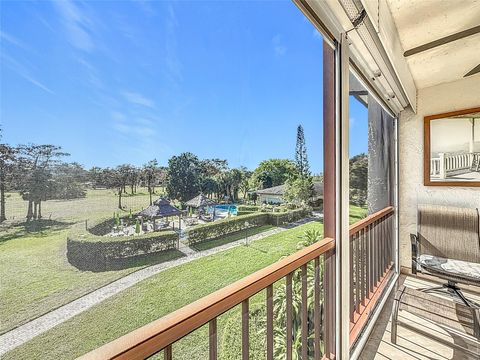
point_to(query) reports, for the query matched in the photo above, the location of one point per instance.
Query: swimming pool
(231, 208)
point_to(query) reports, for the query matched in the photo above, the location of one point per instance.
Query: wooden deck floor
(412, 345)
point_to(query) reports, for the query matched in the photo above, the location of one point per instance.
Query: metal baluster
(375, 253)
(304, 314)
(270, 322)
(362, 265)
(357, 273)
(385, 244)
(167, 353)
(316, 311)
(392, 238)
(245, 331)
(380, 239)
(387, 229)
(352, 304)
(212, 332)
(289, 316)
(368, 266)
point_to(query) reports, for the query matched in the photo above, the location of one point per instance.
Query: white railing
(435, 166)
(446, 164)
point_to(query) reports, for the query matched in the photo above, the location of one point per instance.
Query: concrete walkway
(28, 331)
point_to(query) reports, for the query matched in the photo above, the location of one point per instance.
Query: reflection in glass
(455, 148)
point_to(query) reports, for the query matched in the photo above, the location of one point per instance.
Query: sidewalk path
(28, 331)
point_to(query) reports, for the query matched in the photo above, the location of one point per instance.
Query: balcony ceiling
(421, 22)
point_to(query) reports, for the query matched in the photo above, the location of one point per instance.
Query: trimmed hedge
(244, 212)
(87, 251)
(252, 208)
(227, 226)
(223, 227)
(278, 219)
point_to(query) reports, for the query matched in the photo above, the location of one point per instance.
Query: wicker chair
(447, 245)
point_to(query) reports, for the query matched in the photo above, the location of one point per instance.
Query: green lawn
(97, 203)
(205, 245)
(160, 295)
(357, 213)
(35, 274)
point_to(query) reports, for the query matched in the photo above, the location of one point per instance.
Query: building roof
(280, 189)
(200, 201)
(160, 208)
(275, 190)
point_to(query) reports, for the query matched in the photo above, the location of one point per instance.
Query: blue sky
(125, 82)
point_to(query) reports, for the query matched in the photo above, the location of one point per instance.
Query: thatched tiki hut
(200, 202)
(161, 208)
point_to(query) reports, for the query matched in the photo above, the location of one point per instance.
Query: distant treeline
(40, 173)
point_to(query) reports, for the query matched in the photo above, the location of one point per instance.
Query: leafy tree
(184, 176)
(35, 178)
(245, 183)
(122, 178)
(96, 177)
(299, 191)
(116, 179)
(150, 172)
(222, 180)
(161, 177)
(133, 178)
(359, 179)
(212, 167)
(234, 179)
(274, 172)
(68, 181)
(212, 177)
(301, 159)
(209, 186)
(7, 163)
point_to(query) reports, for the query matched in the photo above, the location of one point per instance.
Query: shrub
(88, 251)
(223, 227)
(278, 219)
(244, 212)
(251, 208)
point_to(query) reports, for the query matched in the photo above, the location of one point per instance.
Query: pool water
(231, 208)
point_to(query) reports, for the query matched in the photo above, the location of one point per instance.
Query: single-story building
(274, 195)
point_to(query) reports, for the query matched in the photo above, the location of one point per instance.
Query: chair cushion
(457, 270)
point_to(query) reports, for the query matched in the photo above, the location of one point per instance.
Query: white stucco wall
(274, 199)
(458, 95)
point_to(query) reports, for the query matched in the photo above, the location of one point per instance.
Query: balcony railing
(371, 264)
(454, 164)
(161, 334)
(371, 249)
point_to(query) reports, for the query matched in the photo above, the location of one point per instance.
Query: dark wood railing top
(362, 224)
(151, 338)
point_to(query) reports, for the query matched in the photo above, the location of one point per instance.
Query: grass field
(230, 238)
(35, 274)
(97, 203)
(158, 296)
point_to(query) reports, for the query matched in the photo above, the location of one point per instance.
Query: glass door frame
(345, 350)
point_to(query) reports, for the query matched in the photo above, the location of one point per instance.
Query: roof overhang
(441, 39)
(376, 51)
(399, 46)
